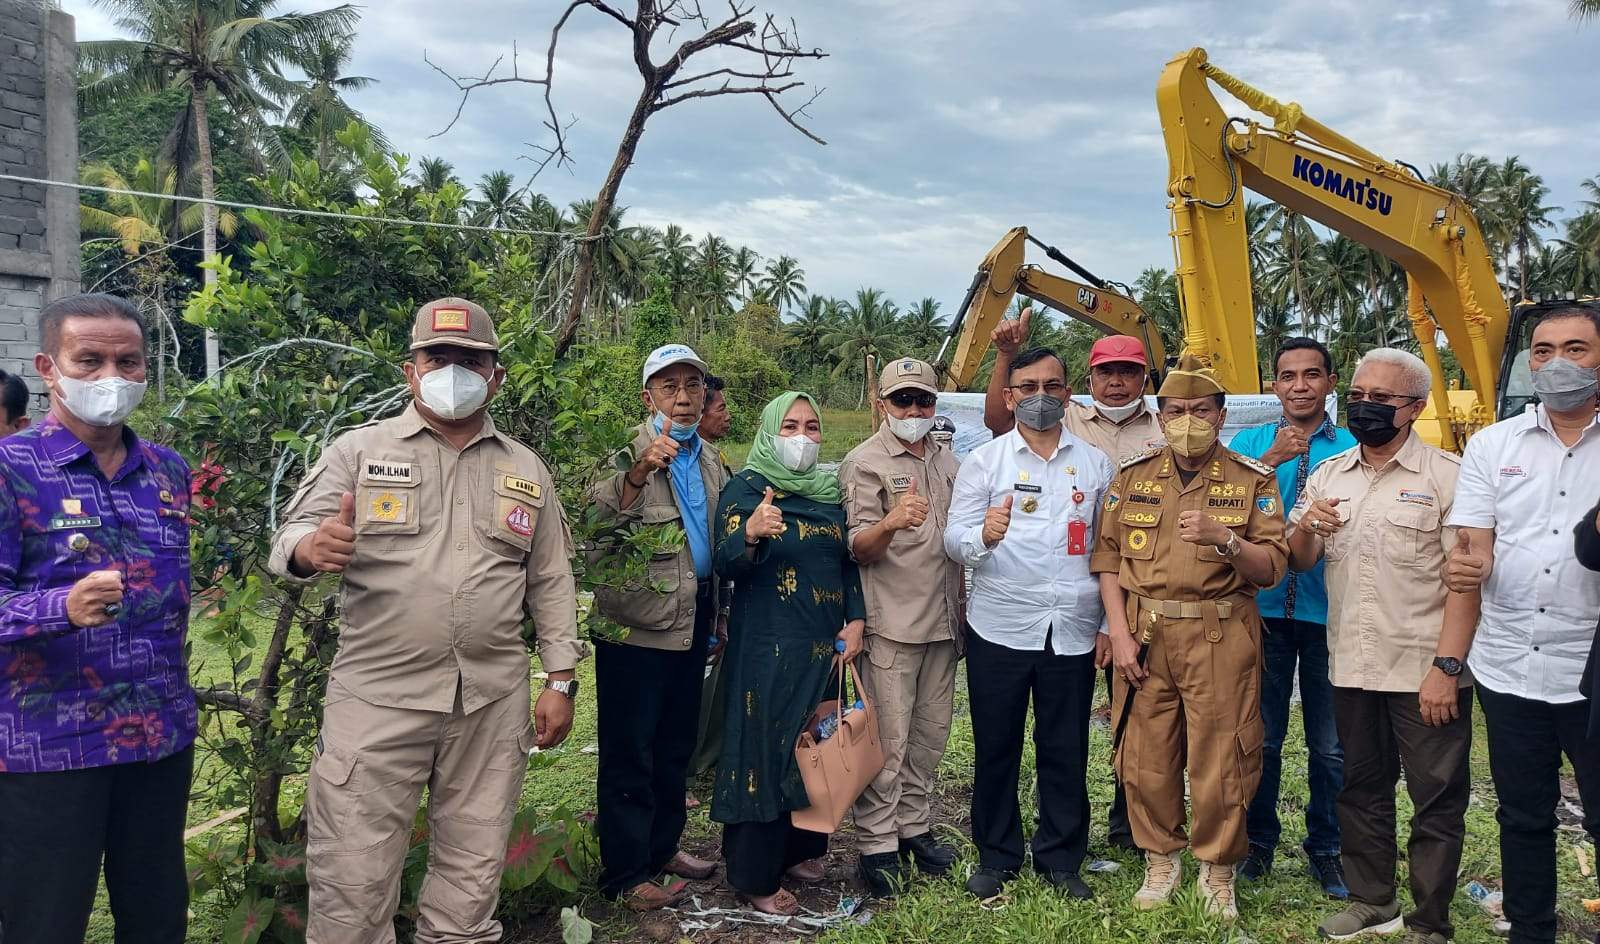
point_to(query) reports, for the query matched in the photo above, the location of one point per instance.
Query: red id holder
(1077, 537)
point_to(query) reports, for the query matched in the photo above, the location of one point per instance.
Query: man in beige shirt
(447, 535)
(1397, 641)
(897, 488)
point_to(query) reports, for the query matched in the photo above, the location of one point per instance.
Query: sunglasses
(907, 398)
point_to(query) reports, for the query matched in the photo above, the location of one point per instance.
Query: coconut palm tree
(923, 326)
(619, 273)
(220, 50)
(1520, 212)
(811, 327)
(1156, 291)
(433, 173)
(499, 204)
(742, 271)
(1584, 9)
(784, 282)
(316, 104)
(867, 325)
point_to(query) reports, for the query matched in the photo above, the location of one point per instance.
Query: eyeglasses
(1054, 388)
(909, 398)
(1382, 399)
(671, 389)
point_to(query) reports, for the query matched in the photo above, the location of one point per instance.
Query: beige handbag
(837, 770)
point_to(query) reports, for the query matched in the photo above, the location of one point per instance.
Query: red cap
(1117, 349)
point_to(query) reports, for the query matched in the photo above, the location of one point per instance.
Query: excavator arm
(1004, 274)
(1312, 170)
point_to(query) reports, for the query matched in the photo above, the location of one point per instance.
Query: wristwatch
(1231, 549)
(568, 688)
(1449, 665)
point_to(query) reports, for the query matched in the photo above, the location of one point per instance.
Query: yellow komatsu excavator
(1005, 273)
(1385, 205)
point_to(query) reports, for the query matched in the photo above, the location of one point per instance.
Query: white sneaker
(1162, 872)
(1216, 889)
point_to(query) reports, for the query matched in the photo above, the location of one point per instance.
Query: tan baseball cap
(908, 372)
(453, 321)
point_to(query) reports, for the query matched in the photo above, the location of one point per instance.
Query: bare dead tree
(764, 50)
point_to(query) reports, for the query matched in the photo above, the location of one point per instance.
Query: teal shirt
(1310, 594)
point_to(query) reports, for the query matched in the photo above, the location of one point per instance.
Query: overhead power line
(292, 211)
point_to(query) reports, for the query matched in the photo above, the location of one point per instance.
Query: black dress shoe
(987, 883)
(932, 857)
(1257, 863)
(881, 871)
(1069, 882)
(1122, 841)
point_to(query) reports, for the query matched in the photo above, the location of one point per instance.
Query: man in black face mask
(1396, 641)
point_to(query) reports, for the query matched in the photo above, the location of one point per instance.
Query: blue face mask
(679, 433)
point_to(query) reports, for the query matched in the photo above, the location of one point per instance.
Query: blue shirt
(689, 490)
(1310, 595)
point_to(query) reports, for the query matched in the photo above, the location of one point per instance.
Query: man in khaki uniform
(1397, 643)
(447, 535)
(897, 488)
(650, 681)
(1189, 533)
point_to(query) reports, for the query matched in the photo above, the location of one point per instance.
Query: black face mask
(1372, 424)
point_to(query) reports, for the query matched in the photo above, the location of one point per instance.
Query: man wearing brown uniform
(1189, 533)
(897, 495)
(447, 534)
(1397, 644)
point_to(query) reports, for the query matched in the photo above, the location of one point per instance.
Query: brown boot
(648, 896)
(689, 866)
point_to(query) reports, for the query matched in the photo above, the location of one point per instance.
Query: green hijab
(815, 484)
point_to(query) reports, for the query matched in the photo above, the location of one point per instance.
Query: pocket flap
(1140, 516)
(508, 484)
(659, 513)
(1420, 519)
(379, 472)
(1250, 739)
(335, 766)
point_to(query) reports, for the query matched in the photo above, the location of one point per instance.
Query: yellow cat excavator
(1005, 273)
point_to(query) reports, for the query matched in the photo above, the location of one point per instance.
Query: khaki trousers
(1200, 708)
(361, 799)
(912, 685)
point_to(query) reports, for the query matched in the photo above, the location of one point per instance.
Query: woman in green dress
(782, 540)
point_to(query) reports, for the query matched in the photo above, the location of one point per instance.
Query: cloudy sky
(948, 121)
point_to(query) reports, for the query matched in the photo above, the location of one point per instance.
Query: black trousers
(1526, 741)
(1383, 733)
(999, 682)
(757, 854)
(1117, 816)
(55, 828)
(648, 713)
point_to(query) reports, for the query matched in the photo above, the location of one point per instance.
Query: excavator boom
(1314, 171)
(1005, 274)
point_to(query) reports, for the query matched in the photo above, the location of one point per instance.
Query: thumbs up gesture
(765, 522)
(334, 541)
(910, 512)
(996, 522)
(1465, 571)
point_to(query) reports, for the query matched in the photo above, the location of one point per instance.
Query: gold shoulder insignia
(1137, 458)
(1255, 464)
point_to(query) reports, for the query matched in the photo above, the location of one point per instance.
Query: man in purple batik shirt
(97, 719)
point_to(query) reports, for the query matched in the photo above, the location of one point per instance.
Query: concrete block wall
(38, 139)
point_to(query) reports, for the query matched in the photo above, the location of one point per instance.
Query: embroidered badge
(1147, 487)
(1143, 499)
(71, 506)
(1139, 517)
(899, 483)
(1228, 519)
(1112, 500)
(74, 522)
(1138, 539)
(377, 470)
(1413, 497)
(1512, 470)
(1267, 504)
(519, 521)
(1022, 476)
(449, 319)
(387, 506)
(527, 487)
(907, 368)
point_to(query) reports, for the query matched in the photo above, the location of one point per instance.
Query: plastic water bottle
(825, 728)
(838, 645)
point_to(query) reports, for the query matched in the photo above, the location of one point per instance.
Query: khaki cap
(907, 372)
(453, 321)
(1190, 380)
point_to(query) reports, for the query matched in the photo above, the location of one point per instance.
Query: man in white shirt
(1522, 482)
(1023, 517)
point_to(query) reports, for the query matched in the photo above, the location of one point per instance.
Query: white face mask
(797, 453)
(454, 392)
(1117, 414)
(911, 429)
(104, 402)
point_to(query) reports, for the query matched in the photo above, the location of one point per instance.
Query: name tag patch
(1143, 499)
(74, 522)
(1413, 497)
(527, 487)
(1512, 470)
(380, 471)
(1025, 487)
(1216, 502)
(899, 483)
